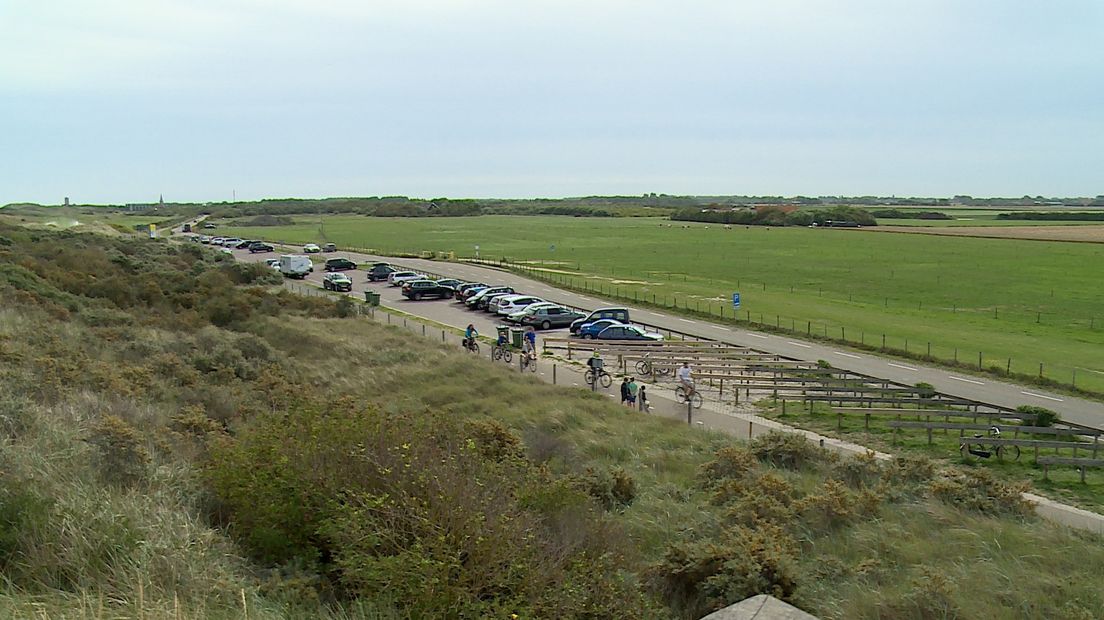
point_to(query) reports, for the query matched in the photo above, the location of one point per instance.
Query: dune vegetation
(181, 437)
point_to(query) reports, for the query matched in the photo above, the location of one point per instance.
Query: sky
(116, 101)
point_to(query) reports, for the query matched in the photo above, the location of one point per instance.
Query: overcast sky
(123, 100)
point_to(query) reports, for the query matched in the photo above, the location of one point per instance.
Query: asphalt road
(954, 383)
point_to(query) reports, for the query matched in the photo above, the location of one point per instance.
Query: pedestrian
(632, 391)
(624, 390)
(643, 399)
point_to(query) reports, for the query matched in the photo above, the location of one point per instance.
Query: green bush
(787, 450)
(925, 390)
(979, 490)
(1043, 416)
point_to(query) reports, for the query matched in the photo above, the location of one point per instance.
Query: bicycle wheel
(532, 363)
(507, 356)
(1011, 452)
(605, 379)
(643, 368)
(696, 400)
(680, 395)
(496, 353)
(588, 376)
(474, 348)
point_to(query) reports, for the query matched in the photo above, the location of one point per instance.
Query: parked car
(621, 314)
(479, 300)
(329, 247)
(380, 271)
(548, 317)
(244, 245)
(514, 304)
(450, 283)
(204, 239)
(217, 240)
(592, 329)
(340, 264)
(337, 282)
(627, 332)
(260, 247)
(464, 290)
(398, 277)
(274, 263)
(209, 226)
(311, 248)
(231, 242)
(420, 289)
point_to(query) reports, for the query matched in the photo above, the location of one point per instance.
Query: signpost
(735, 301)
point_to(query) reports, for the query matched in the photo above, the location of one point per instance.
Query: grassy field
(1017, 303)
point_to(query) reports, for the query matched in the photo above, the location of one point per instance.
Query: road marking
(798, 344)
(757, 335)
(724, 328)
(686, 320)
(846, 354)
(584, 297)
(965, 380)
(654, 313)
(901, 366)
(1041, 396)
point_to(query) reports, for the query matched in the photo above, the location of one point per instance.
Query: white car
(311, 248)
(218, 240)
(231, 242)
(398, 277)
(274, 263)
(515, 303)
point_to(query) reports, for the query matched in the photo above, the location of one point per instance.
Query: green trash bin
(372, 297)
(503, 333)
(516, 335)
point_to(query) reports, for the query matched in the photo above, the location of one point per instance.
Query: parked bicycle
(694, 396)
(648, 367)
(976, 447)
(602, 377)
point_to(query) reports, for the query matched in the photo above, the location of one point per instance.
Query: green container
(372, 297)
(516, 335)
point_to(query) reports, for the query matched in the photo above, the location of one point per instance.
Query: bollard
(553, 374)
(423, 329)
(749, 429)
(689, 412)
(442, 335)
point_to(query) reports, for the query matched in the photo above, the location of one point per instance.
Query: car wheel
(587, 336)
(546, 325)
(416, 296)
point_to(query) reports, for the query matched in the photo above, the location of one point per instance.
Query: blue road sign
(735, 300)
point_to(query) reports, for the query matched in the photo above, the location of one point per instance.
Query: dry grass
(1081, 234)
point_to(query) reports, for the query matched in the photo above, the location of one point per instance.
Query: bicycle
(694, 396)
(647, 367)
(471, 345)
(501, 352)
(977, 447)
(529, 362)
(602, 377)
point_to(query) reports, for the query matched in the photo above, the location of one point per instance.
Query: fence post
(689, 410)
(979, 360)
(553, 374)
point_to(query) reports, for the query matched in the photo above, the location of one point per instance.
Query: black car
(380, 271)
(244, 244)
(337, 282)
(420, 289)
(260, 247)
(340, 264)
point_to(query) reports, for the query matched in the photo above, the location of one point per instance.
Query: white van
(295, 266)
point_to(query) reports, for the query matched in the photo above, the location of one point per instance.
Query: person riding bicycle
(470, 335)
(595, 362)
(686, 378)
(531, 343)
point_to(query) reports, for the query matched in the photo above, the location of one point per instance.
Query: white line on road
(965, 380)
(654, 313)
(846, 354)
(799, 344)
(757, 335)
(724, 328)
(584, 297)
(686, 320)
(902, 366)
(1041, 396)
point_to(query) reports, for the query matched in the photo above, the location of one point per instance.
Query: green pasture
(1017, 303)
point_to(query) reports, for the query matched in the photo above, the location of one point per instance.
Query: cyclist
(595, 362)
(686, 378)
(470, 335)
(531, 343)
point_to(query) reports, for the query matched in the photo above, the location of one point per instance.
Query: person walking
(632, 391)
(643, 399)
(624, 390)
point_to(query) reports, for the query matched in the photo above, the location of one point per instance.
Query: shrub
(706, 575)
(980, 491)
(730, 462)
(788, 450)
(861, 470)
(925, 390)
(123, 457)
(613, 488)
(345, 307)
(1043, 416)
